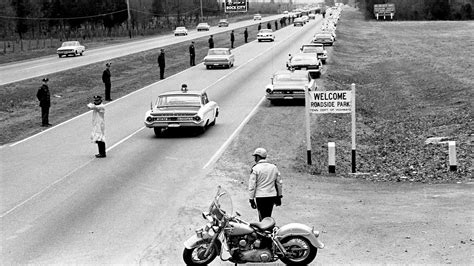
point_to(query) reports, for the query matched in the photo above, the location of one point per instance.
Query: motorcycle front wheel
(299, 251)
(195, 255)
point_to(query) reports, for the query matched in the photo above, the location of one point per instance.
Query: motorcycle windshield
(221, 204)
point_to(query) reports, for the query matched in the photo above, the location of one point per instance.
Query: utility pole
(129, 20)
(201, 11)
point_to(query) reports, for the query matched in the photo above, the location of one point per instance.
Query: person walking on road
(106, 80)
(246, 35)
(265, 185)
(98, 125)
(232, 39)
(161, 63)
(44, 98)
(192, 54)
(211, 42)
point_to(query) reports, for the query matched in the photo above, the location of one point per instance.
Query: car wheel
(81, 53)
(60, 55)
(158, 131)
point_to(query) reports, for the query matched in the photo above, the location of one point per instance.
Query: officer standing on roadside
(161, 63)
(265, 185)
(44, 98)
(211, 42)
(232, 39)
(246, 35)
(192, 54)
(106, 80)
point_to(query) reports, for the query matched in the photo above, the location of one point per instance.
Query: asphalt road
(13, 72)
(61, 205)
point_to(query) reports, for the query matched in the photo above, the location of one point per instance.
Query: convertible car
(182, 109)
(305, 61)
(70, 48)
(219, 57)
(289, 85)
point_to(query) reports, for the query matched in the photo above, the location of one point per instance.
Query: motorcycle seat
(266, 223)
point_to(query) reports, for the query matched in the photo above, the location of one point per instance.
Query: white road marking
(227, 142)
(44, 189)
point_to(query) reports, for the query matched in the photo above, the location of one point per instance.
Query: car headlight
(149, 119)
(197, 118)
(269, 90)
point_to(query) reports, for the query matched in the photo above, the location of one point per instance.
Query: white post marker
(453, 166)
(377, 16)
(332, 157)
(308, 129)
(353, 131)
(391, 16)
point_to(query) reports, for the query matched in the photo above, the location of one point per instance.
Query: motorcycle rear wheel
(194, 256)
(299, 251)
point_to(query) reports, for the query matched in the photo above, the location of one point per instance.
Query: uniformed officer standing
(161, 63)
(44, 98)
(232, 39)
(265, 185)
(246, 35)
(211, 42)
(106, 80)
(192, 54)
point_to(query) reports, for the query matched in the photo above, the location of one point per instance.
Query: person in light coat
(265, 185)
(98, 125)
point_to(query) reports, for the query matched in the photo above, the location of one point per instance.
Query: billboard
(384, 9)
(235, 6)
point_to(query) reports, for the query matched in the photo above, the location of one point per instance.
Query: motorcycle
(238, 241)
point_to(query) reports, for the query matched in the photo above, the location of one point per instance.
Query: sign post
(308, 128)
(353, 119)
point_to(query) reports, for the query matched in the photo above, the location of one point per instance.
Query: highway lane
(139, 204)
(13, 72)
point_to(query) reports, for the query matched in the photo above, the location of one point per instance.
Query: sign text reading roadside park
(323, 102)
(235, 6)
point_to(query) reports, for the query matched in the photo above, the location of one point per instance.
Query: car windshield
(179, 100)
(222, 20)
(313, 49)
(218, 52)
(202, 24)
(323, 36)
(68, 44)
(291, 77)
(180, 28)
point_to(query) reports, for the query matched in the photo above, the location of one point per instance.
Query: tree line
(423, 9)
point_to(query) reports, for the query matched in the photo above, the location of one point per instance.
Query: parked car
(204, 26)
(73, 48)
(219, 57)
(257, 17)
(324, 38)
(305, 19)
(266, 34)
(223, 23)
(180, 31)
(182, 109)
(289, 85)
(312, 16)
(298, 22)
(304, 61)
(316, 49)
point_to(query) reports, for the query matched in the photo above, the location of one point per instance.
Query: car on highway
(305, 61)
(324, 38)
(182, 109)
(180, 31)
(316, 49)
(219, 57)
(289, 85)
(223, 23)
(305, 19)
(266, 35)
(312, 16)
(298, 22)
(257, 17)
(73, 48)
(203, 26)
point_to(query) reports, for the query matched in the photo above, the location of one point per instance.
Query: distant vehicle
(298, 22)
(305, 19)
(257, 17)
(73, 48)
(182, 109)
(304, 61)
(203, 26)
(332, 32)
(317, 49)
(312, 16)
(266, 34)
(180, 31)
(219, 57)
(223, 23)
(289, 85)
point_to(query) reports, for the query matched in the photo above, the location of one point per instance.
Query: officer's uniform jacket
(265, 180)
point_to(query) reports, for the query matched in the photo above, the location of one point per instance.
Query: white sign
(323, 102)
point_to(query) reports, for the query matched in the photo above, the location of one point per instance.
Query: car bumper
(306, 68)
(285, 96)
(219, 63)
(265, 38)
(180, 124)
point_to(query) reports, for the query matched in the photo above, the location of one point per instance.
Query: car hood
(67, 48)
